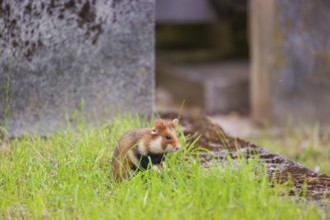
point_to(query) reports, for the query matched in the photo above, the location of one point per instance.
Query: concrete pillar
(290, 61)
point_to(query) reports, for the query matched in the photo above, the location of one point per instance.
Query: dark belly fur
(145, 160)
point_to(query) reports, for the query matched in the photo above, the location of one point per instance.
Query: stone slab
(215, 87)
(59, 59)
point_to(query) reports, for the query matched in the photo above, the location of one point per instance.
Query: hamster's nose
(178, 146)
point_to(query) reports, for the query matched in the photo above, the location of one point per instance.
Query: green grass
(68, 175)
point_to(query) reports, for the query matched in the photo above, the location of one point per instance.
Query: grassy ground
(68, 176)
(307, 146)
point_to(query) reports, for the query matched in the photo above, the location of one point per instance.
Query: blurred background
(258, 68)
(202, 55)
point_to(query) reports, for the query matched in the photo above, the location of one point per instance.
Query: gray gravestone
(58, 57)
(290, 61)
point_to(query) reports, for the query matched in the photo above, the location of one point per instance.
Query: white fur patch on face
(142, 148)
(170, 148)
(156, 146)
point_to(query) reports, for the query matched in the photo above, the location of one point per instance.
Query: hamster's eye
(168, 137)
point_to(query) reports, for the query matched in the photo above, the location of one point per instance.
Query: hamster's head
(164, 137)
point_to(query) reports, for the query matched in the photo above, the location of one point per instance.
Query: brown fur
(121, 161)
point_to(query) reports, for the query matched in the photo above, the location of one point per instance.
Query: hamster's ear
(174, 123)
(159, 126)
